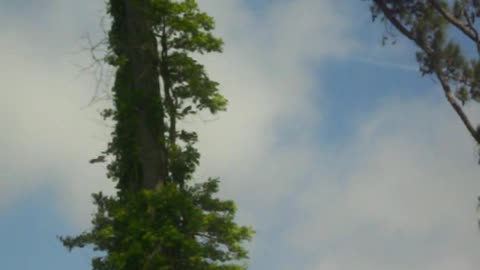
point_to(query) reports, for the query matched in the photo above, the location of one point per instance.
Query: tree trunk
(142, 57)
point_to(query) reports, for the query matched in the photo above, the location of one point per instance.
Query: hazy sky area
(335, 149)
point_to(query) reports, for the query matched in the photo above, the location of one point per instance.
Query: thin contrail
(374, 62)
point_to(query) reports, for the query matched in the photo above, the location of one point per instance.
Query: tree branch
(439, 74)
(391, 17)
(454, 21)
(456, 106)
(472, 27)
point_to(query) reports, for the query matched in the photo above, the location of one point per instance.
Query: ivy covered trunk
(158, 219)
(137, 97)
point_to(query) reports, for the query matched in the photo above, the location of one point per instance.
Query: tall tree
(158, 219)
(446, 34)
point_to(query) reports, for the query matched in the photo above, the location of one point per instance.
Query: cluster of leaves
(166, 228)
(183, 29)
(445, 32)
(176, 225)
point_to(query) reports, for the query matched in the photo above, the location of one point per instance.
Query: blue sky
(335, 149)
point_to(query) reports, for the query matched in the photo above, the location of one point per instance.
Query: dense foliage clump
(168, 228)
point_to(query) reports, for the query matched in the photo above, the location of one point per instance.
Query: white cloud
(406, 198)
(48, 135)
(265, 76)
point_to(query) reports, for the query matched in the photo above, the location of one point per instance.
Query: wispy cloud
(382, 64)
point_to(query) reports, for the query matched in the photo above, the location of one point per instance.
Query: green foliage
(166, 228)
(186, 27)
(176, 225)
